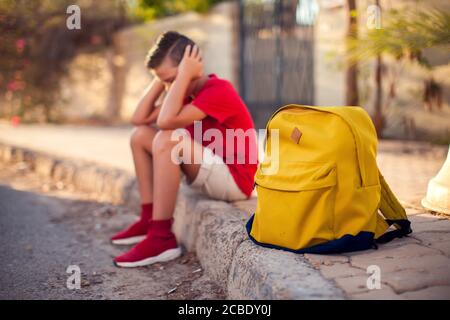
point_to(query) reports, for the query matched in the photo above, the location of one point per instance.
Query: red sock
(138, 230)
(146, 211)
(162, 228)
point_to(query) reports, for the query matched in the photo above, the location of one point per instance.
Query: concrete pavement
(413, 267)
(104, 145)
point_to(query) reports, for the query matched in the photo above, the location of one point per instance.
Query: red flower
(15, 121)
(96, 40)
(20, 45)
(16, 85)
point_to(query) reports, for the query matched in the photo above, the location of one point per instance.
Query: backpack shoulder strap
(393, 212)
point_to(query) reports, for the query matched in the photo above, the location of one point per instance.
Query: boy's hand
(147, 102)
(159, 83)
(191, 65)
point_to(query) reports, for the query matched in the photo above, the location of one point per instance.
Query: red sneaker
(132, 235)
(160, 245)
(137, 231)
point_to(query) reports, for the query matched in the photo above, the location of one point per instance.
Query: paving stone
(353, 285)
(406, 251)
(443, 246)
(436, 225)
(385, 293)
(428, 237)
(328, 260)
(425, 218)
(400, 263)
(340, 270)
(431, 293)
(398, 243)
(412, 280)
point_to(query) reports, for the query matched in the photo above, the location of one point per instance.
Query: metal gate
(276, 54)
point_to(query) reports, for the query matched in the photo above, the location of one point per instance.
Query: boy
(222, 173)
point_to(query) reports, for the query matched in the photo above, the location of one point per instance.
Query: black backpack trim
(347, 243)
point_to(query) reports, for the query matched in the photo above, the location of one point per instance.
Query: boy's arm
(154, 115)
(143, 113)
(172, 115)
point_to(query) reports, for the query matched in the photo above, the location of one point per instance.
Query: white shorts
(215, 180)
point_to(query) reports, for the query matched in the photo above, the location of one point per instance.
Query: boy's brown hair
(171, 44)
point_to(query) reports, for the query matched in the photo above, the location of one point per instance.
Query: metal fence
(276, 54)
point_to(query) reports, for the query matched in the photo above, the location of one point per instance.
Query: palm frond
(404, 33)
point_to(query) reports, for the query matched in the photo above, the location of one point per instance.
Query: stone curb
(107, 183)
(215, 230)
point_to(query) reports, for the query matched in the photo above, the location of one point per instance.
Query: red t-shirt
(227, 113)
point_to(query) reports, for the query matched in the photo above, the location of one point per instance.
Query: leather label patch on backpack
(296, 135)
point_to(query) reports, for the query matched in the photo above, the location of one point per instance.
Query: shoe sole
(128, 241)
(162, 257)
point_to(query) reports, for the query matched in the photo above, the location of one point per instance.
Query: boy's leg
(141, 142)
(160, 243)
(167, 172)
(141, 146)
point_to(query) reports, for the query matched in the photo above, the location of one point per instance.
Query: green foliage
(36, 47)
(404, 34)
(150, 9)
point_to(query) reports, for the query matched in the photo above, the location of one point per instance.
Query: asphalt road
(44, 229)
(35, 252)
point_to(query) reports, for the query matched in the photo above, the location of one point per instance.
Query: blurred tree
(351, 74)
(378, 117)
(404, 36)
(36, 46)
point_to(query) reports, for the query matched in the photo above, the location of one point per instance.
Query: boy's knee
(140, 135)
(163, 141)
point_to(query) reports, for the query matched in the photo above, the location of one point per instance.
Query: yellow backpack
(319, 188)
